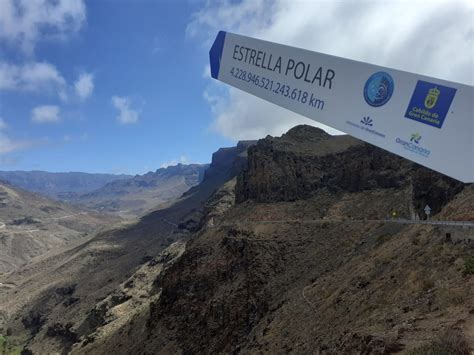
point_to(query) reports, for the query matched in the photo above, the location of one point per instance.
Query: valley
(32, 225)
(288, 244)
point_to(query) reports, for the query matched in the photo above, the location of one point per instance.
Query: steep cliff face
(294, 268)
(306, 160)
(35, 306)
(332, 286)
(228, 162)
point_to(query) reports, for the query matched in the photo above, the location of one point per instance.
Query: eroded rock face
(201, 279)
(229, 161)
(306, 159)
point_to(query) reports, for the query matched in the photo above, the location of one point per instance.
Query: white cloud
(23, 23)
(44, 78)
(84, 85)
(417, 36)
(8, 145)
(33, 76)
(126, 114)
(182, 160)
(45, 114)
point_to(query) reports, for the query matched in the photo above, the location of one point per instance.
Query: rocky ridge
(302, 264)
(306, 160)
(135, 196)
(65, 300)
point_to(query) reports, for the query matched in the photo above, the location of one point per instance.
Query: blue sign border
(215, 54)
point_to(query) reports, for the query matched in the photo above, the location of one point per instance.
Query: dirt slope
(43, 299)
(32, 225)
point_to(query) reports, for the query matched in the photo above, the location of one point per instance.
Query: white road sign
(427, 120)
(427, 210)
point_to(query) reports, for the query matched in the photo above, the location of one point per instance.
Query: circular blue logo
(378, 89)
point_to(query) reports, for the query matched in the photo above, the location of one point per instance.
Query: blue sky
(121, 85)
(136, 51)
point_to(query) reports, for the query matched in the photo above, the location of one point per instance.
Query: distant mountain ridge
(58, 185)
(134, 196)
(124, 195)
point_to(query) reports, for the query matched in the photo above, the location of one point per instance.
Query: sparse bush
(8, 347)
(34, 321)
(66, 291)
(382, 239)
(450, 343)
(448, 296)
(427, 284)
(63, 330)
(469, 267)
(88, 339)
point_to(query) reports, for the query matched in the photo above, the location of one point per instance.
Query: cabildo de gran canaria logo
(378, 89)
(414, 145)
(430, 103)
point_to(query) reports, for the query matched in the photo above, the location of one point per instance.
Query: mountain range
(305, 243)
(133, 196)
(58, 185)
(123, 195)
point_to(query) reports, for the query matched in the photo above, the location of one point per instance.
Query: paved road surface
(398, 221)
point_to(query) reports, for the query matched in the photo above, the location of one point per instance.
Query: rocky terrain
(58, 185)
(32, 225)
(45, 297)
(289, 245)
(134, 196)
(303, 162)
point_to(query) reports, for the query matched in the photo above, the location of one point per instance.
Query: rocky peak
(305, 133)
(229, 161)
(306, 160)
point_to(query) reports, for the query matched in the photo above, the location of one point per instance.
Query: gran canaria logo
(413, 145)
(415, 137)
(430, 103)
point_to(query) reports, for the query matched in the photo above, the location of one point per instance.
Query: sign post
(427, 211)
(427, 120)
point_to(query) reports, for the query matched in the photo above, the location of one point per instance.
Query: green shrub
(3, 341)
(7, 348)
(469, 266)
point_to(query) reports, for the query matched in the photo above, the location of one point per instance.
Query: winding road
(334, 220)
(3, 225)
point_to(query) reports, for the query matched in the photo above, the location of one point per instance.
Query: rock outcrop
(306, 160)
